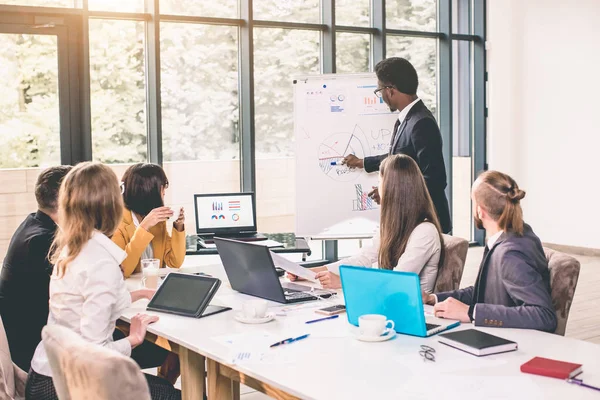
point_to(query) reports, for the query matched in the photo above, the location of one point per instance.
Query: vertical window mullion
(247, 135)
(153, 103)
(328, 37)
(445, 88)
(378, 21)
(479, 96)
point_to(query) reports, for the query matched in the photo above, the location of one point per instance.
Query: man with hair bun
(512, 289)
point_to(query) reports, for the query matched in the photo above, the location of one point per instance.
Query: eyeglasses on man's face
(378, 91)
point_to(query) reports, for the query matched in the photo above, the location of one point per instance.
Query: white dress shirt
(402, 114)
(148, 251)
(89, 298)
(493, 239)
(421, 256)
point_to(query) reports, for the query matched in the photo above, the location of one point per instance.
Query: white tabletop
(332, 364)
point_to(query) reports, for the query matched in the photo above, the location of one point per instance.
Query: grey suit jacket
(419, 138)
(513, 286)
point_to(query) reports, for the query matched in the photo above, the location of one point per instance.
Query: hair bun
(515, 194)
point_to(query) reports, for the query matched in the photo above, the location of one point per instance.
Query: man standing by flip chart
(416, 133)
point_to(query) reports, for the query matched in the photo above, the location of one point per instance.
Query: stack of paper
(293, 268)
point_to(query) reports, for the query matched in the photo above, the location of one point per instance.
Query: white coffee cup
(150, 267)
(374, 325)
(254, 308)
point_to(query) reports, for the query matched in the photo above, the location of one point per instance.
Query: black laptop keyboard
(290, 295)
(431, 326)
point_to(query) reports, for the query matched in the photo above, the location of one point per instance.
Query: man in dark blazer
(415, 134)
(512, 289)
(25, 276)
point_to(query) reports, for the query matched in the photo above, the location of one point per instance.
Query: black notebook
(477, 342)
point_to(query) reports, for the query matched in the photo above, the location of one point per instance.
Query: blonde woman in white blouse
(87, 291)
(409, 238)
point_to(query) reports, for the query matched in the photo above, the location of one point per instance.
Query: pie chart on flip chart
(333, 150)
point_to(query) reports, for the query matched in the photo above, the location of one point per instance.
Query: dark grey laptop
(251, 270)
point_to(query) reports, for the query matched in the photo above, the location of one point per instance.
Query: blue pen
(290, 340)
(335, 163)
(321, 319)
(580, 383)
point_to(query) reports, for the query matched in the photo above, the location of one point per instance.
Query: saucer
(245, 320)
(381, 338)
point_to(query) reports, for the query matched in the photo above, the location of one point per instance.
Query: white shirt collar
(402, 115)
(115, 251)
(136, 222)
(492, 240)
(149, 250)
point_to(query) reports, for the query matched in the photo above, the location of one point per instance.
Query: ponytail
(501, 197)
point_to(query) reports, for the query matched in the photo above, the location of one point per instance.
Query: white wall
(544, 105)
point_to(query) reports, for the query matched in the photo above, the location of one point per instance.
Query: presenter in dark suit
(415, 134)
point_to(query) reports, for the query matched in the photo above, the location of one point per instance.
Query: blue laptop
(397, 295)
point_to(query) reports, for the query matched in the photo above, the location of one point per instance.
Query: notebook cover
(549, 367)
(476, 339)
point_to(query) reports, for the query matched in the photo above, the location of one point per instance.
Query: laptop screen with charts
(251, 270)
(225, 213)
(397, 295)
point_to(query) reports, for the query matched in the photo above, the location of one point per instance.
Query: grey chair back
(451, 270)
(12, 378)
(564, 274)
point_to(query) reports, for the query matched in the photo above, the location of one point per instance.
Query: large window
(132, 6)
(118, 95)
(29, 108)
(290, 11)
(203, 90)
(42, 3)
(352, 12)
(353, 52)
(199, 87)
(203, 8)
(422, 53)
(200, 111)
(279, 55)
(416, 15)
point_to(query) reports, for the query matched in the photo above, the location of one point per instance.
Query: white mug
(374, 325)
(254, 308)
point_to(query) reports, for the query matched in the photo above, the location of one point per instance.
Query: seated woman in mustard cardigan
(143, 231)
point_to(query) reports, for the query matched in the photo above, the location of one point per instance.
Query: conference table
(332, 364)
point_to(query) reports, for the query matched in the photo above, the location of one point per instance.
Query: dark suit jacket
(419, 138)
(24, 286)
(513, 286)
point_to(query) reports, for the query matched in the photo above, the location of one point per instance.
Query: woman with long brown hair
(409, 237)
(87, 290)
